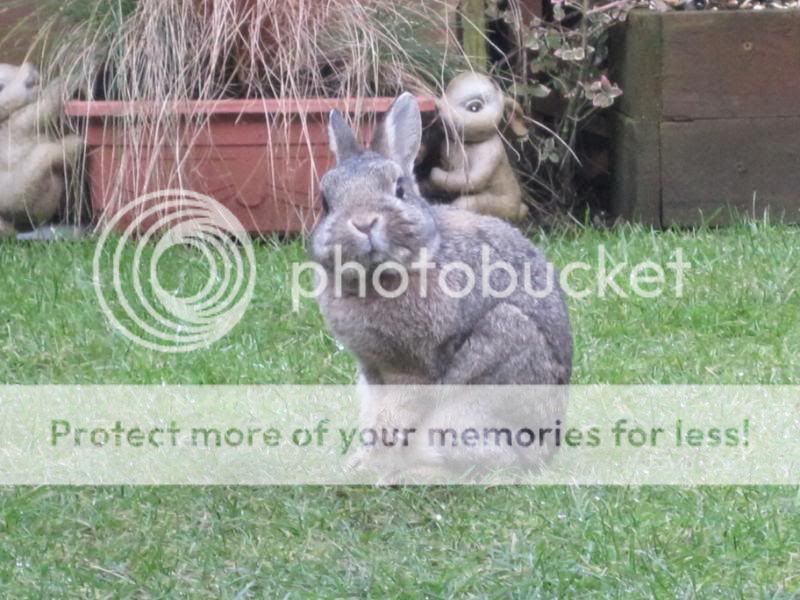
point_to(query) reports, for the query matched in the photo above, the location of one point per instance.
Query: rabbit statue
(31, 164)
(475, 166)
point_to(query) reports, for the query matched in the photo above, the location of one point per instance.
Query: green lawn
(739, 322)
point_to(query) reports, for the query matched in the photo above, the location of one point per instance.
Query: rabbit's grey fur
(375, 214)
(438, 339)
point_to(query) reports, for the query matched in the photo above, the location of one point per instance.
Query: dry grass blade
(165, 52)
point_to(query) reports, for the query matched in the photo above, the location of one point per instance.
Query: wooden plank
(712, 166)
(731, 64)
(635, 170)
(635, 62)
(473, 15)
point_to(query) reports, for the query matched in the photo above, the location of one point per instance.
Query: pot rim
(259, 106)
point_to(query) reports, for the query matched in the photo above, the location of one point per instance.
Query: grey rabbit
(421, 333)
(374, 214)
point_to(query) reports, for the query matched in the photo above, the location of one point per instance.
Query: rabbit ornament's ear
(399, 136)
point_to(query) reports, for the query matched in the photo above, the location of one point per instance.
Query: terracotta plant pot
(261, 159)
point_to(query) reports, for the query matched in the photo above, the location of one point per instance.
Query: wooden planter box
(262, 159)
(710, 116)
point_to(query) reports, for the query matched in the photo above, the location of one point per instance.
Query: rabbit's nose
(364, 224)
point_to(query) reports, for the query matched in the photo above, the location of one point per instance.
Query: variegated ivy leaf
(534, 40)
(571, 54)
(538, 90)
(548, 151)
(493, 10)
(602, 92)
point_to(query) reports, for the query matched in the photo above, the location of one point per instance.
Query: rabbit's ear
(400, 135)
(341, 138)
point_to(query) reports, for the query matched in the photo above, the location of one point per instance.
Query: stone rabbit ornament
(32, 166)
(475, 166)
(432, 325)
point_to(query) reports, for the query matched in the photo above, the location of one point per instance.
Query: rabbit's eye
(475, 106)
(400, 191)
(325, 206)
